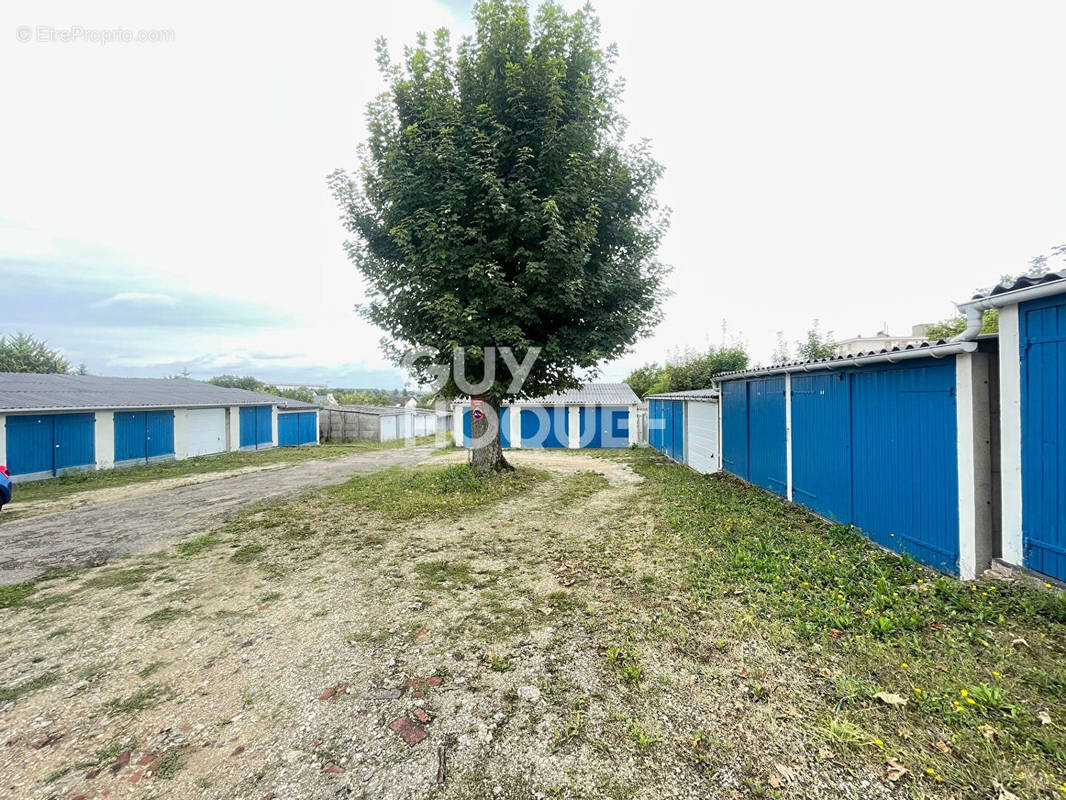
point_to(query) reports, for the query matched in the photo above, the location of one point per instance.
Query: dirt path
(310, 651)
(128, 519)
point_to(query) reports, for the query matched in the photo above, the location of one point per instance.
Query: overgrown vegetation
(687, 369)
(407, 493)
(962, 683)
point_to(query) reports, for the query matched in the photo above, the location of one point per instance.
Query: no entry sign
(477, 408)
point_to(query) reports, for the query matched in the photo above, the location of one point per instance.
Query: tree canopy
(687, 370)
(23, 353)
(498, 203)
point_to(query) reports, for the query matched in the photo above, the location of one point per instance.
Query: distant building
(880, 341)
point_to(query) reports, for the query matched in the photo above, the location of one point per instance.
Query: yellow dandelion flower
(904, 665)
(964, 693)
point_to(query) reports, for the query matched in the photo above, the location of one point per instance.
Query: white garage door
(701, 441)
(206, 431)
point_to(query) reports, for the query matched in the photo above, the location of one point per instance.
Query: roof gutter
(938, 351)
(975, 309)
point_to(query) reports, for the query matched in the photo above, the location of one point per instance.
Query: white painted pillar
(104, 433)
(1010, 434)
(3, 439)
(973, 421)
(181, 433)
(274, 426)
(457, 425)
(316, 429)
(574, 433)
(514, 421)
(234, 442)
(788, 436)
(634, 425)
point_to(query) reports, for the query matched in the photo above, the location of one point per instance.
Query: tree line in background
(23, 353)
(344, 396)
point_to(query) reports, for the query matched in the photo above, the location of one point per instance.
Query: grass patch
(120, 578)
(580, 486)
(976, 665)
(141, 700)
(444, 574)
(163, 616)
(170, 763)
(247, 554)
(402, 494)
(15, 593)
(197, 545)
(9, 693)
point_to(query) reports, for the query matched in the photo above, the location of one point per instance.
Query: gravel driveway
(31, 547)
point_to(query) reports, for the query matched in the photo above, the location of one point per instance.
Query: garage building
(893, 442)
(378, 423)
(600, 415)
(1032, 423)
(685, 426)
(55, 424)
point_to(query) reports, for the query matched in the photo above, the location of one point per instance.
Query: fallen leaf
(987, 731)
(891, 699)
(1004, 794)
(943, 748)
(545, 609)
(1044, 717)
(895, 770)
(786, 773)
(825, 754)
(1019, 643)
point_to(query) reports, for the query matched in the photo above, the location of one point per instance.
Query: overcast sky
(163, 205)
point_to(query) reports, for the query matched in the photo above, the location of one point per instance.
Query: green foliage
(953, 326)
(23, 353)
(642, 379)
(406, 493)
(817, 345)
(366, 397)
(498, 204)
(252, 384)
(689, 370)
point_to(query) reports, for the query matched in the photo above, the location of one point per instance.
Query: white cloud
(139, 298)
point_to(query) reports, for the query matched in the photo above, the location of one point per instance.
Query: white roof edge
(1016, 295)
(174, 407)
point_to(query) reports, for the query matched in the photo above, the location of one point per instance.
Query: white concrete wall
(514, 420)
(1010, 431)
(457, 425)
(634, 425)
(274, 426)
(181, 433)
(788, 436)
(104, 433)
(972, 412)
(234, 442)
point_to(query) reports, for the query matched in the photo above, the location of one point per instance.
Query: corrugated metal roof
(831, 361)
(593, 394)
(692, 394)
(24, 391)
(1021, 282)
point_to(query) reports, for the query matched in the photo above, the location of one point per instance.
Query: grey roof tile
(593, 394)
(1021, 282)
(22, 391)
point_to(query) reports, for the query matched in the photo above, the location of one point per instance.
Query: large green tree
(23, 353)
(498, 205)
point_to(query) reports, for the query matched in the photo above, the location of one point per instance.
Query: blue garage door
(256, 427)
(142, 436)
(288, 430)
(735, 428)
(505, 427)
(767, 456)
(46, 444)
(545, 426)
(655, 424)
(821, 444)
(904, 461)
(674, 429)
(1043, 343)
(308, 427)
(603, 427)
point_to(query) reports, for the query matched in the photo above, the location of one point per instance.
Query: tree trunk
(486, 455)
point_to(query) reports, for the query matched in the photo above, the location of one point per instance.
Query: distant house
(880, 341)
(54, 424)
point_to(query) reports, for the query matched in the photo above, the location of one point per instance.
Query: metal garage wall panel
(735, 428)
(904, 461)
(655, 425)
(821, 443)
(288, 430)
(205, 431)
(677, 431)
(308, 427)
(264, 426)
(767, 456)
(602, 427)
(130, 442)
(30, 444)
(159, 436)
(1043, 390)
